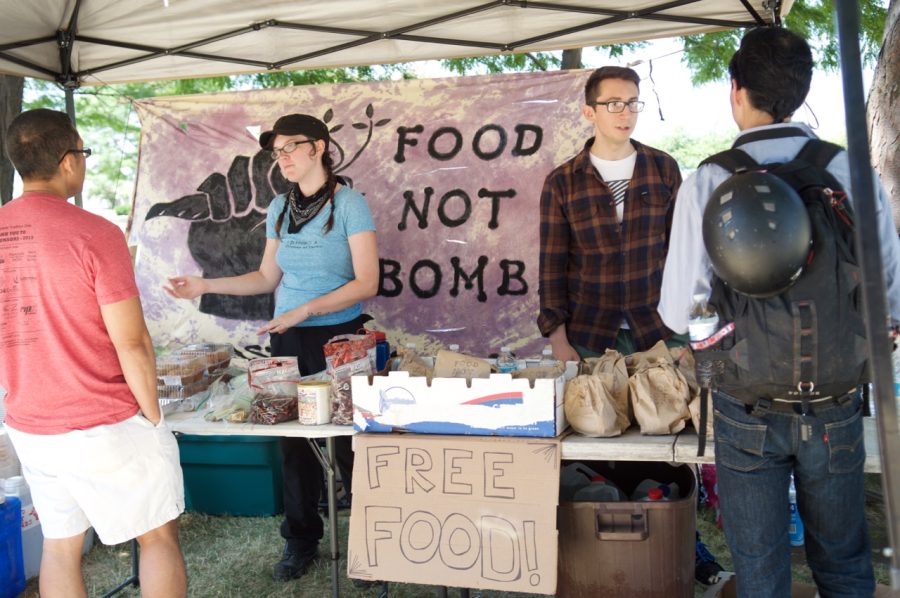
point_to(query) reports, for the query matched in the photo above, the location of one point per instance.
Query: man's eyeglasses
(86, 151)
(616, 106)
(288, 147)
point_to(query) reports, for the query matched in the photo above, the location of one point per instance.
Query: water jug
(599, 490)
(654, 495)
(572, 478)
(12, 569)
(669, 489)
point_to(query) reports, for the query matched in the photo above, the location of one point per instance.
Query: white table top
(630, 446)
(192, 422)
(680, 448)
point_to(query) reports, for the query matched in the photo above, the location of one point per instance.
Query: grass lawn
(233, 556)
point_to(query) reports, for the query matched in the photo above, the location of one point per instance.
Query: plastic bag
(347, 355)
(273, 381)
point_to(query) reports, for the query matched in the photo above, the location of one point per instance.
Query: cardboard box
(231, 475)
(458, 511)
(630, 548)
(494, 406)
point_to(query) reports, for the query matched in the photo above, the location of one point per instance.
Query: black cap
(295, 124)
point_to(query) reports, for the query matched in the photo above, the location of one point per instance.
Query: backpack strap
(733, 160)
(820, 154)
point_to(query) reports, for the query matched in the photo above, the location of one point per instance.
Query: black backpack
(808, 342)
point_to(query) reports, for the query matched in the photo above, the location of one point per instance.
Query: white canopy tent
(95, 42)
(91, 42)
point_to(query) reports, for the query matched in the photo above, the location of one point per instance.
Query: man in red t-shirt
(78, 367)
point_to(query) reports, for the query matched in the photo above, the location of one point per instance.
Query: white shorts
(123, 479)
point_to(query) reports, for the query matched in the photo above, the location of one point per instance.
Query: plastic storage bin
(636, 549)
(232, 475)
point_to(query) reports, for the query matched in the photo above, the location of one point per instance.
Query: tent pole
(874, 295)
(70, 110)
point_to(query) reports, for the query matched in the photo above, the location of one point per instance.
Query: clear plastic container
(216, 357)
(599, 490)
(506, 362)
(180, 370)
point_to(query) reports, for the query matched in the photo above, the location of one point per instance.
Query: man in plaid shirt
(605, 221)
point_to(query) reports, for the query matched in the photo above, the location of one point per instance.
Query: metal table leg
(134, 580)
(327, 459)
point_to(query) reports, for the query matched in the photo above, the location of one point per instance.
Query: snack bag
(273, 381)
(347, 355)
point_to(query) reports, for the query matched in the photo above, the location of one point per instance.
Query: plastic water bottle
(506, 363)
(12, 569)
(382, 349)
(32, 537)
(572, 478)
(599, 490)
(795, 528)
(703, 321)
(547, 357)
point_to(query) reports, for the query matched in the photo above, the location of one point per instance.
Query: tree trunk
(884, 118)
(10, 105)
(571, 59)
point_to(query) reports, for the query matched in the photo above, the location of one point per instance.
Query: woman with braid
(321, 256)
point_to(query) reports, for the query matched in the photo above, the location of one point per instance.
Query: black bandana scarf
(303, 208)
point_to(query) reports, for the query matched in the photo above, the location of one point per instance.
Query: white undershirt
(616, 174)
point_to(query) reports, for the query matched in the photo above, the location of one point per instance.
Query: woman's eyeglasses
(288, 147)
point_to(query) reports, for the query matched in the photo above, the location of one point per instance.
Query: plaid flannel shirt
(595, 272)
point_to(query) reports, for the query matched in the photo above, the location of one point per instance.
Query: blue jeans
(754, 459)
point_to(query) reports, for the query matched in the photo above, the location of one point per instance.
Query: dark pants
(301, 471)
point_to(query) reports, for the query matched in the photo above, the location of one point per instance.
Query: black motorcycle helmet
(757, 233)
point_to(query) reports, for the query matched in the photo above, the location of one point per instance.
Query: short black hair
(592, 87)
(37, 139)
(775, 66)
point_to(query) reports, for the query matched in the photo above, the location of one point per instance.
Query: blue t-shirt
(313, 262)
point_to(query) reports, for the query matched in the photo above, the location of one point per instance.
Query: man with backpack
(781, 407)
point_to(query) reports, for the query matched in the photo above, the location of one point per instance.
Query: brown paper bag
(659, 391)
(596, 404)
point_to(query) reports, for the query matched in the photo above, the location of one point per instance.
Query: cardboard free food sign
(475, 512)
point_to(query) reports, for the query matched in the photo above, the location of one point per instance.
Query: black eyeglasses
(86, 151)
(616, 106)
(288, 147)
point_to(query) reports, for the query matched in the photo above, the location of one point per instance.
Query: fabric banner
(452, 170)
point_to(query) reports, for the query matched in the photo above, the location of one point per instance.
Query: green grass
(233, 557)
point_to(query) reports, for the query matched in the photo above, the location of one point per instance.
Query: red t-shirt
(58, 265)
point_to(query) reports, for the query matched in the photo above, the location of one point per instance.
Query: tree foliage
(707, 54)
